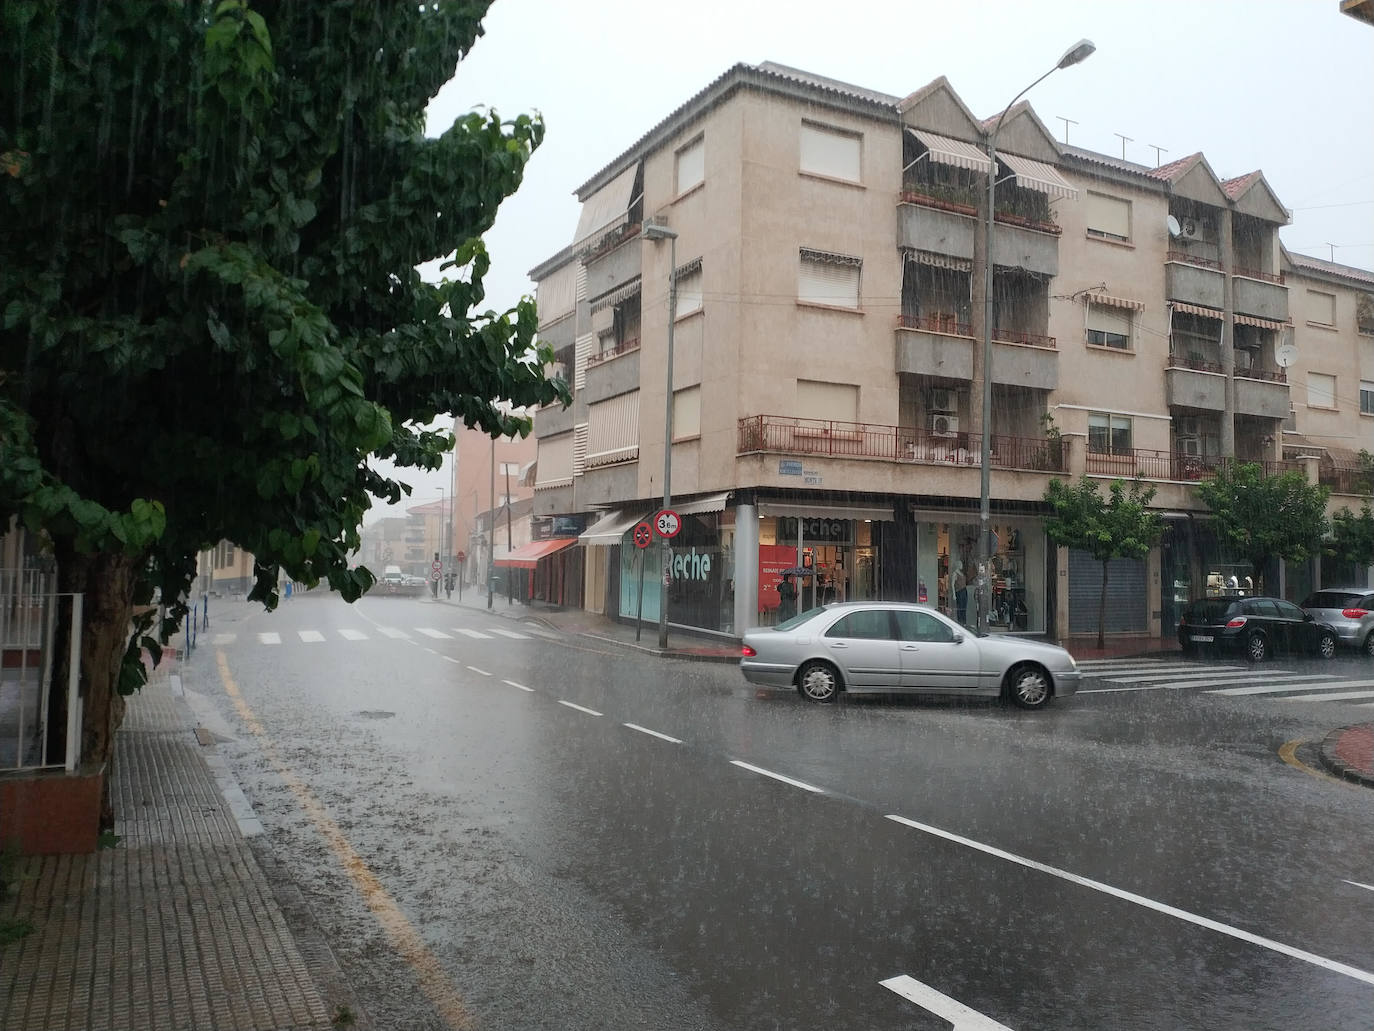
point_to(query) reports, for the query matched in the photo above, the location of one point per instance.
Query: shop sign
(830, 531)
(690, 565)
(788, 467)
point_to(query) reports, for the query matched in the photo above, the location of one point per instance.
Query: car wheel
(1369, 644)
(1029, 687)
(1256, 648)
(818, 682)
(1326, 646)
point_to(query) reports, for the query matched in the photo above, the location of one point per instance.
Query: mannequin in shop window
(959, 584)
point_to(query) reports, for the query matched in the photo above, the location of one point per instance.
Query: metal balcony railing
(1169, 465)
(947, 324)
(1254, 273)
(615, 352)
(1185, 258)
(1015, 336)
(1177, 361)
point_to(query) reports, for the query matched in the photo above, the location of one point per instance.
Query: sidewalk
(176, 927)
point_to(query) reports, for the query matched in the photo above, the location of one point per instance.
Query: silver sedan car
(899, 646)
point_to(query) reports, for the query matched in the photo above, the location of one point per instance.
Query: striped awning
(1195, 309)
(953, 152)
(945, 261)
(613, 297)
(1255, 320)
(1115, 302)
(1038, 176)
(702, 505)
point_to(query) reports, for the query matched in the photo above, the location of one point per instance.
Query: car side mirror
(958, 637)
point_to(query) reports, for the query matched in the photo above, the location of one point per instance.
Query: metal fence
(29, 609)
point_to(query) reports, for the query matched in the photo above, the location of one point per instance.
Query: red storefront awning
(527, 555)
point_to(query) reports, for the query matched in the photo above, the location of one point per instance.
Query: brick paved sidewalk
(1349, 752)
(174, 928)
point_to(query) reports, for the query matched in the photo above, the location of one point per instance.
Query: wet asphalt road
(1133, 859)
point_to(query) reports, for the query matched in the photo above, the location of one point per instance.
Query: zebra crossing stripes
(1163, 674)
(1258, 689)
(511, 634)
(429, 631)
(269, 638)
(353, 635)
(393, 633)
(273, 637)
(473, 633)
(310, 636)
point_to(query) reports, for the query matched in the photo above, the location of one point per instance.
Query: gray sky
(1280, 85)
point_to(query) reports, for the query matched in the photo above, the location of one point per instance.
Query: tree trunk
(106, 583)
(1102, 610)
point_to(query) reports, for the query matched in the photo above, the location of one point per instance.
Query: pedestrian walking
(787, 595)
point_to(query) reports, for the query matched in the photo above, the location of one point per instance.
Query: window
(1366, 397)
(1321, 308)
(689, 289)
(687, 412)
(836, 402)
(613, 429)
(1364, 314)
(691, 165)
(865, 625)
(1321, 390)
(1109, 218)
(1109, 434)
(1109, 327)
(922, 626)
(829, 279)
(830, 153)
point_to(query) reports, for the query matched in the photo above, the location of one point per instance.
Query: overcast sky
(1280, 85)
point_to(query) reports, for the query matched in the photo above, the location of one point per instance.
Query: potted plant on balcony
(1049, 456)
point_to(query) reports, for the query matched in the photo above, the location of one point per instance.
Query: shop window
(1109, 434)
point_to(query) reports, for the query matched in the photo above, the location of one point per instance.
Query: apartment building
(828, 376)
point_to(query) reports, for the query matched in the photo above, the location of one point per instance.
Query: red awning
(527, 555)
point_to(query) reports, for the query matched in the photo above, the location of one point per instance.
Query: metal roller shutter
(1127, 604)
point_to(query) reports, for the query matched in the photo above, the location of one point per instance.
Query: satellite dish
(1174, 228)
(1286, 355)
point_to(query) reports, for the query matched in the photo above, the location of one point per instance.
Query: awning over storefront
(821, 511)
(703, 505)
(1115, 302)
(612, 526)
(527, 555)
(1195, 309)
(1255, 320)
(953, 152)
(1036, 175)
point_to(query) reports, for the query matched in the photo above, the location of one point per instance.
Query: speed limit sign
(667, 523)
(643, 535)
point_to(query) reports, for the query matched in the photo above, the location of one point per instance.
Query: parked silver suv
(1347, 610)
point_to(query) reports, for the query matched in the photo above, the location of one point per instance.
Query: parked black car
(1254, 627)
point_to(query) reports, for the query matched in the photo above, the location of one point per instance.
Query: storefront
(833, 550)
(701, 581)
(947, 570)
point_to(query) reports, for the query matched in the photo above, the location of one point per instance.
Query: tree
(1352, 536)
(1264, 517)
(1117, 526)
(211, 321)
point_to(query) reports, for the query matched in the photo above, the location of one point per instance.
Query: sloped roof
(1309, 263)
(1175, 170)
(1240, 184)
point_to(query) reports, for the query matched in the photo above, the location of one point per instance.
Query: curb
(1338, 742)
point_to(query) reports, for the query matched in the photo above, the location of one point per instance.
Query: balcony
(944, 223)
(615, 352)
(1023, 359)
(1256, 293)
(1263, 393)
(935, 345)
(781, 434)
(1193, 280)
(1168, 465)
(1195, 383)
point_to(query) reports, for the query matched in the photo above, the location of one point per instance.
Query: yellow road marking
(404, 937)
(1288, 752)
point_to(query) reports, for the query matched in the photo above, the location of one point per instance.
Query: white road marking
(1274, 688)
(447, 658)
(511, 634)
(353, 635)
(472, 633)
(393, 633)
(653, 733)
(311, 636)
(1190, 673)
(962, 1017)
(1289, 678)
(1357, 884)
(777, 776)
(1140, 900)
(269, 637)
(225, 638)
(522, 687)
(1339, 696)
(429, 631)
(481, 671)
(579, 708)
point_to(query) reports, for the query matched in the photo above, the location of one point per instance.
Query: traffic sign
(462, 556)
(434, 576)
(644, 535)
(667, 523)
(436, 565)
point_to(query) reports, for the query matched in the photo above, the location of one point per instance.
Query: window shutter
(830, 153)
(1321, 390)
(1109, 215)
(1109, 320)
(834, 402)
(555, 468)
(691, 165)
(824, 282)
(583, 348)
(687, 412)
(579, 449)
(613, 429)
(689, 292)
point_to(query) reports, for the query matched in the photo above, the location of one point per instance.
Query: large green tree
(211, 323)
(1263, 517)
(1352, 536)
(1119, 525)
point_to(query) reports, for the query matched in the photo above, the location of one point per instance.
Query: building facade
(827, 379)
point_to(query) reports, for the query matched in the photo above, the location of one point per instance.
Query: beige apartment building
(828, 376)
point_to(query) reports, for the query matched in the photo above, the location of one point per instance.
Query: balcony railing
(1169, 465)
(946, 324)
(787, 435)
(1254, 273)
(1013, 336)
(1192, 259)
(1346, 481)
(615, 352)
(965, 202)
(1265, 375)
(1177, 361)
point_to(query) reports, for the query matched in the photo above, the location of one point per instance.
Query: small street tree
(211, 323)
(1352, 536)
(1263, 517)
(1119, 525)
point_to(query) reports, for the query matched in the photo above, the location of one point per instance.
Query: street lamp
(653, 231)
(1076, 53)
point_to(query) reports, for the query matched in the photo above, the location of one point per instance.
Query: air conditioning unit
(1190, 227)
(1187, 426)
(944, 425)
(943, 401)
(1190, 446)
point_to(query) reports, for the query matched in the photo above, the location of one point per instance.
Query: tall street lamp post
(656, 232)
(1078, 52)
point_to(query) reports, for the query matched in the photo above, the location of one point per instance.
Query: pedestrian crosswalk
(1116, 676)
(272, 637)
